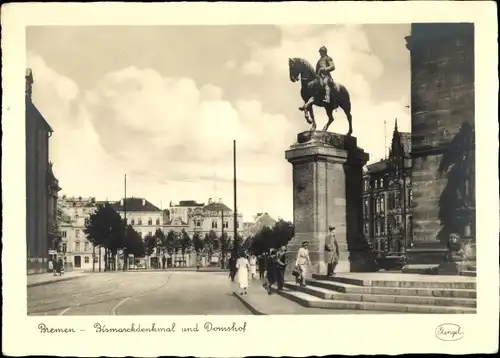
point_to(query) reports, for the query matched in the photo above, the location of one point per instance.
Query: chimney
(210, 200)
(121, 202)
(220, 200)
(29, 82)
(143, 202)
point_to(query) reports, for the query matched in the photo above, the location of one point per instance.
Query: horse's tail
(344, 99)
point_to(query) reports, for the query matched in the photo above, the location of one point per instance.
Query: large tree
(224, 247)
(170, 242)
(282, 232)
(186, 244)
(198, 243)
(150, 243)
(161, 242)
(105, 229)
(272, 238)
(133, 243)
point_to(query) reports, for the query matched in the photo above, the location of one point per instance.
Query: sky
(163, 105)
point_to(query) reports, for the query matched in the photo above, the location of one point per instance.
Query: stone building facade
(442, 89)
(142, 215)
(41, 187)
(77, 250)
(387, 197)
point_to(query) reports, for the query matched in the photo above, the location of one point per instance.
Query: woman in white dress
(253, 266)
(303, 262)
(243, 268)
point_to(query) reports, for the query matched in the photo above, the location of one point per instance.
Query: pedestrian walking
(271, 271)
(232, 266)
(331, 251)
(303, 263)
(262, 266)
(281, 262)
(60, 265)
(253, 266)
(243, 270)
(163, 261)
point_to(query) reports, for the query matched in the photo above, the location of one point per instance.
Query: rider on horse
(324, 66)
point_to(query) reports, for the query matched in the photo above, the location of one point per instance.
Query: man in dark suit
(281, 262)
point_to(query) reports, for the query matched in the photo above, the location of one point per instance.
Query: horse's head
(293, 70)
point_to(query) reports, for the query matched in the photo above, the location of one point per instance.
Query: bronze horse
(313, 93)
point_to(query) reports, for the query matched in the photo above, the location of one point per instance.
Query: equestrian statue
(318, 88)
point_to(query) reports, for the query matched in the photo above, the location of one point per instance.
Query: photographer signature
(449, 332)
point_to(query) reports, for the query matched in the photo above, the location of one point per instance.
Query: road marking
(63, 312)
(113, 311)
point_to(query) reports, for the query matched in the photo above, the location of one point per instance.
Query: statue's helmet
(323, 49)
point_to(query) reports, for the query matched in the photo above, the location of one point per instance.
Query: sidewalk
(259, 302)
(46, 278)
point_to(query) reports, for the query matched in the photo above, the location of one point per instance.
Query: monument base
(327, 191)
(343, 266)
(454, 268)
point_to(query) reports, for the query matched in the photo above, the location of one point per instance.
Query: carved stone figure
(316, 86)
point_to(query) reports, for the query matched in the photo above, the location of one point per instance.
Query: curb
(43, 283)
(249, 306)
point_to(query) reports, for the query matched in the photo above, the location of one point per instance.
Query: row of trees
(181, 242)
(106, 229)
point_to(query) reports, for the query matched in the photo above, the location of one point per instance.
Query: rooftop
(189, 203)
(134, 204)
(216, 207)
(377, 167)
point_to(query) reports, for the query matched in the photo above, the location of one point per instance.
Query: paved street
(138, 293)
(157, 293)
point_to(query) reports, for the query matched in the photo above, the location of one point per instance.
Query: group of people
(272, 264)
(303, 262)
(57, 266)
(271, 267)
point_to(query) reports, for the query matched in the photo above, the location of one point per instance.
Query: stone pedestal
(465, 260)
(327, 190)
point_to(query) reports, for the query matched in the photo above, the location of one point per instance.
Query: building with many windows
(387, 199)
(78, 251)
(215, 216)
(142, 215)
(182, 210)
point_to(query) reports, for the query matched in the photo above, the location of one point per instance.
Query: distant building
(77, 249)
(142, 215)
(41, 187)
(215, 216)
(387, 198)
(183, 209)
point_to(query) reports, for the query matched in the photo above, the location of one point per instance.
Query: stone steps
(468, 273)
(396, 298)
(400, 283)
(309, 300)
(394, 291)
